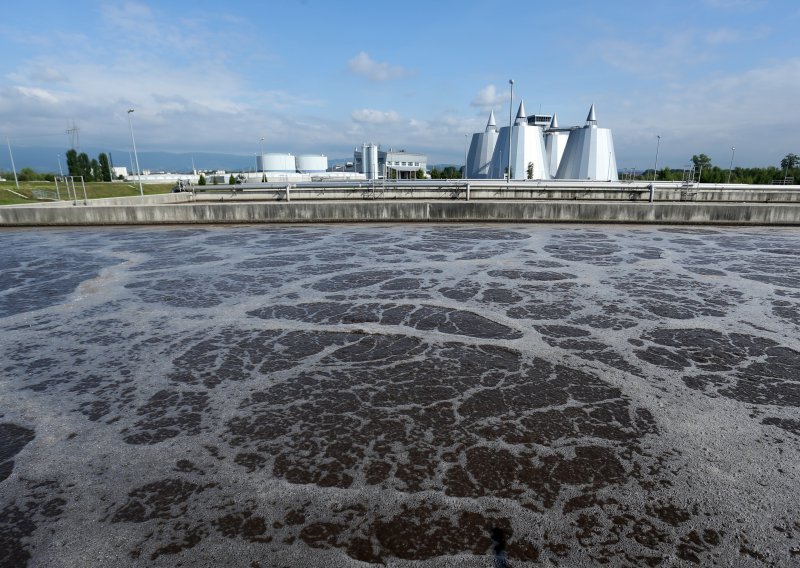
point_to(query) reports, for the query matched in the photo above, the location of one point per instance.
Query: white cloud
(47, 74)
(488, 97)
(754, 110)
(38, 94)
(372, 116)
(365, 66)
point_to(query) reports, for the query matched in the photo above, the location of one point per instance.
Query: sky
(315, 76)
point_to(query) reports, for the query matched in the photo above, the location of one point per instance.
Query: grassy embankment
(94, 190)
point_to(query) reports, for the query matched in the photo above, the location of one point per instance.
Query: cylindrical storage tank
(369, 154)
(284, 163)
(311, 163)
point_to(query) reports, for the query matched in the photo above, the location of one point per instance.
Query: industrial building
(375, 163)
(535, 147)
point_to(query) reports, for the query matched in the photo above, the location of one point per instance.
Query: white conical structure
(589, 153)
(527, 150)
(522, 118)
(555, 142)
(591, 118)
(481, 150)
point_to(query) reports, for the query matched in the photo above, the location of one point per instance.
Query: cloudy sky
(314, 76)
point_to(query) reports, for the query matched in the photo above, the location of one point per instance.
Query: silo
(311, 163)
(481, 150)
(589, 154)
(555, 141)
(277, 163)
(369, 156)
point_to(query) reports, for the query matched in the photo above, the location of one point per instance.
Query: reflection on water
(447, 395)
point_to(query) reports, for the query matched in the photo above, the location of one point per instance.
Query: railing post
(288, 198)
(58, 194)
(652, 192)
(83, 183)
(467, 191)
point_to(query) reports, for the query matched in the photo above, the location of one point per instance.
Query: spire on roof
(492, 124)
(592, 118)
(521, 117)
(554, 121)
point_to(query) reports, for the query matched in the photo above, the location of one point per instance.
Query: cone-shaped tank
(589, 153)
(554, 144)
(481, 150)
(527, 152)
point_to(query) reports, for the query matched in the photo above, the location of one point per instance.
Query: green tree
(105, 167)
(435, 174)
(232, 180)
(94, 170)
(202, 180)
(84, 166)
(72, 162)
(450, 172)
(790, 162)
(421, 174)
(27, 174)
(701, 161)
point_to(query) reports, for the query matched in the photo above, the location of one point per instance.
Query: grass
(94, 190)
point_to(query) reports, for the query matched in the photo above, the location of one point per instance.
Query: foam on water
(405, 395)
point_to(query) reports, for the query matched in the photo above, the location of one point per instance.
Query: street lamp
(510, 113)
(261, 147)
(138, 174)
(655, 166)
(730, 169)
(466, 160)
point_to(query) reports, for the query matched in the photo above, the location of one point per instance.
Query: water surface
(435, 396)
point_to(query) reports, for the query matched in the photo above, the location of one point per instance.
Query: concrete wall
(480, 191)
(405, 211)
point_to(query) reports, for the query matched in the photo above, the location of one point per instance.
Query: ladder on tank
(374, 190)
(691, 180)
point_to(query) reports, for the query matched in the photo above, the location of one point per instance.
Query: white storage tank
(311, 163)
(284, 163)
(369, 157)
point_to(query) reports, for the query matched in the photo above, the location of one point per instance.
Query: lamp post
(655, 166)
(135, 154)
(510, 114)
(730, 169)
(466, 138)
(60, 171)
(13, 167)
(261, 148)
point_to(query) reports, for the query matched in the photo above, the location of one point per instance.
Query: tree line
(707, 172)
(92, 170)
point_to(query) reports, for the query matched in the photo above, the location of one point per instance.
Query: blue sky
(322, 77)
